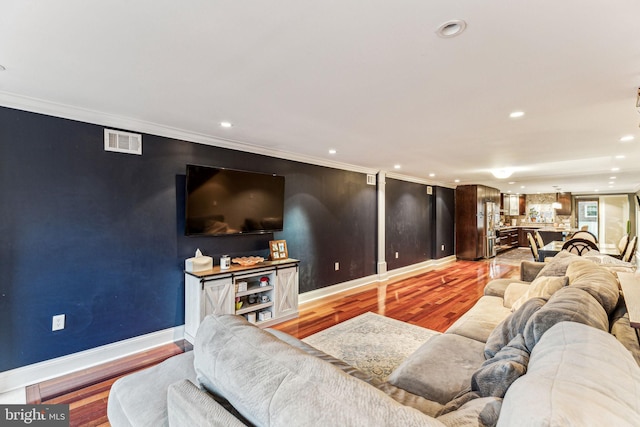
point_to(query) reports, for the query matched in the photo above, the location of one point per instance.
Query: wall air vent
(122, 142)
(371, 179)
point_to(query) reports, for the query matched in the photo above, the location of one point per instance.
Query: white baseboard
(396, 274)
(42, 371)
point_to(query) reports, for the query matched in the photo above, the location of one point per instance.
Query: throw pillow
(543, 287)
(557, 266)
(513, 292)
(496, 374)
(511, 326)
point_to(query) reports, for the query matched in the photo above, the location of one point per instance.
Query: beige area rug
(514, 256)
(372, 343)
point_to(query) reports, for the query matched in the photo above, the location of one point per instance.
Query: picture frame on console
(278, 249)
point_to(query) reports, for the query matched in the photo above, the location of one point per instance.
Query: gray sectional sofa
(554, 348)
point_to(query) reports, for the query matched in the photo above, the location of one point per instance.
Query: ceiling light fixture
(620, 156)
(627, 138)
(225, 124)
(431, 175)
(396, 166)
(451, 28)
(456, 180)
(332, 151)
(516, 114)
(615, 169)
(502, 173)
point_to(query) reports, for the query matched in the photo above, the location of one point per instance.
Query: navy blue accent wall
(99, 236)
(444, 224)
(409, 228)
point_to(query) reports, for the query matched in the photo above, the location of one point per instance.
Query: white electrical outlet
(57, 322)
(337, 266)
(396, 255)
(442, 248)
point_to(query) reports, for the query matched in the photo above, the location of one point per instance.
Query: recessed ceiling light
(516, 114)
(432, 175)
(512, 182)
(620, 156)
(451, 28)
(627, 138)
(225, 124)
(611, 182)
(522, 186)
(615, 169)
(612, 177)
(396, 166)
(596, 190)
(456, 180)
(332, 151)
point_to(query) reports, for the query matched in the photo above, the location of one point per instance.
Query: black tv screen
(226, 201)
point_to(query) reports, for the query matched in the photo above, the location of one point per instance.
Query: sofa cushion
(601, 283)
(481, 319)
(188, 406)
(568, 304)
(557, 265)
(272, 383)
(577, 376)
(441, 368)
(140, 399)
(542, 287)
(496, 374)
(398, 394)
(497, 287)
(511, 326)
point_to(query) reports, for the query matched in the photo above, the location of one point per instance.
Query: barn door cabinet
(265, 294)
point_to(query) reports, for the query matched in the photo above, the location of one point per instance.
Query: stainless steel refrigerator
(491, 221)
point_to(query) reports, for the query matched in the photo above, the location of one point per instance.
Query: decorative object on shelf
(225, 262)
(264, 281)
(238, 303)
(264, 315)
(198, 263)
(248, 260)
(252, 299)
(251, 317)
(241, 286)
(278, 249)
(264, 298)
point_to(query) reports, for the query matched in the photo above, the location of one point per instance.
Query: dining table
(552, 248)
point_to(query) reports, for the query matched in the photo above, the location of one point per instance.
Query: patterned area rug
(514, 256)
(372, 343)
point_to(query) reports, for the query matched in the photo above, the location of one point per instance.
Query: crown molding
(41, 106)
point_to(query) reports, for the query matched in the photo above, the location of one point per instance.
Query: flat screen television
(223, 201)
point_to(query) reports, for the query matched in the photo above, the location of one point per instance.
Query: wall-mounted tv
(223, 201)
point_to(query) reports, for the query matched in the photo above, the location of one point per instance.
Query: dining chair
(623, 243)
(630, 251)
(539, 239)
(534, 247)
(579, 246)
(586, 235)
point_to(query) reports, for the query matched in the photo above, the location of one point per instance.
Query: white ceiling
(370, 79)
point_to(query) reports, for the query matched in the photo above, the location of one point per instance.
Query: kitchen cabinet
(512, 204)
(507, 238)
(565, 201)
(523, 241)
(470, 229)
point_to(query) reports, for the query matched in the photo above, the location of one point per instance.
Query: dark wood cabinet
(565, 200)
(507, 239)
(522, 204)
(470, 200)
(522, 236)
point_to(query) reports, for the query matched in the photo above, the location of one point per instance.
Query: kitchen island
(509, 237)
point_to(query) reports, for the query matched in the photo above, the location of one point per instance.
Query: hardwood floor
(433, 300)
